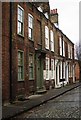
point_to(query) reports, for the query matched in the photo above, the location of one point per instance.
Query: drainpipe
(10, 51)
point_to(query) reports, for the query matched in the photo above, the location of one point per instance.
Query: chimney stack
(54, 16)
(54, 11)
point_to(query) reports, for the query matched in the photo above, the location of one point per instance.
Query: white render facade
(60, 70)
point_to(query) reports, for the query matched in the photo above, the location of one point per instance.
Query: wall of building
(36, 47)
(5, 52)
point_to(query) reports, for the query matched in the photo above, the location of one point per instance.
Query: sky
(68, 15)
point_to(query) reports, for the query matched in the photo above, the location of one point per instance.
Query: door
(39, 73)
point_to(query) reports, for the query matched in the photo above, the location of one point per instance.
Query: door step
(41, 91)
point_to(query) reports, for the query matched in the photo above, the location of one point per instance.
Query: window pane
(60, 43)
(46, 32)
(30, 26)
(31, 72)
(30, 33)
(31, 67)
(20, 14)
(46, 37)
(20, 20)
(52, 68)
(52, 40)
(19, 17)
(47, 68)
(19, 27)
(20, 66)
(51, 36)
(21, 72)
(30, 21)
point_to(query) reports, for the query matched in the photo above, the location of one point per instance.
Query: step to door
(41, 91)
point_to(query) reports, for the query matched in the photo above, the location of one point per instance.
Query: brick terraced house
(37, 55)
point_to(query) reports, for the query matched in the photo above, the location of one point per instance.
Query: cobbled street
(65, 106)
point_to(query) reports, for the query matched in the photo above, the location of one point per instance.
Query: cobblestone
(65, 106)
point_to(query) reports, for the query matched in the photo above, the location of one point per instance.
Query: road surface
(65, 106)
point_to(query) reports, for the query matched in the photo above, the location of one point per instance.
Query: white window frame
(19, 65)
(20, 21)
(47, 68)
(68, 51)
(60, 45)
(30, 26)
(52, 40)
(63, 48)
(63, 69)
(46, 37)
(71, 53)
(31, 54)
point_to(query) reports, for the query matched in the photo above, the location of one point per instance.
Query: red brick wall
(5, 51)
(22, 43)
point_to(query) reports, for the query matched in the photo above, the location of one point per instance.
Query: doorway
(39, 72)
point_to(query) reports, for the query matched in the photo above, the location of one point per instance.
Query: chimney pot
(56, 10)
(53, 11)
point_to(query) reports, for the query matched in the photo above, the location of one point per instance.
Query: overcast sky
(68, 11)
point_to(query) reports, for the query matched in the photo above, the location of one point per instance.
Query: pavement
(12, 110)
